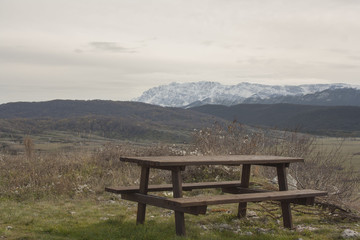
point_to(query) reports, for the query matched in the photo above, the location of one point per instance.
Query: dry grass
(71, 174)
(324, 169)
(35, 175)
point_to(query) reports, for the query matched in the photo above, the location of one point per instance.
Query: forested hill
(80, 108)
(114, 119)
(140, 121)
(323, 120)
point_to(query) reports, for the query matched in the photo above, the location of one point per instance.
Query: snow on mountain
(199, 93)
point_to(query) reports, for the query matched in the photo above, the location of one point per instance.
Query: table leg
(177, 191)
(283, 186)
(245, 181)
(144, 182)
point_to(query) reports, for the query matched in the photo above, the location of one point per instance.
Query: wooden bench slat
(168, 187)
(246, 197)
(177, 161)
(241, 190)
(162, 202)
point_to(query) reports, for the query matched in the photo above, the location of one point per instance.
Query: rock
(168, 194)
(237, 231)
(251, 214)
(292, 183)
(301, 228)
(225, 226)
(203, 227)
(262, 230)
(348, 233)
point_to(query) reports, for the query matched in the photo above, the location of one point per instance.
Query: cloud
(111, 47)
(357, 58)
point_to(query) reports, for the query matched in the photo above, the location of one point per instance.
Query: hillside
(121, 120)
(322, 120)
(140, 121)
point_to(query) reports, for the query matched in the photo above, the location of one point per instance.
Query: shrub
(324, 169)
(74, 173)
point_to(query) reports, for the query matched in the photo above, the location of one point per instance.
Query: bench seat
(246, 197)
(169, 187)
(197, 205)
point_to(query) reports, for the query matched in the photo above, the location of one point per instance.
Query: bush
(74, 173)
(324, 169)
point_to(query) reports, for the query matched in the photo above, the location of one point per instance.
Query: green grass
(104, 218)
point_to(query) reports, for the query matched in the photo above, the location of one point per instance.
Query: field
(350, 148)
(106, 218)
(65, 141)
(53, 141)
(56, 191)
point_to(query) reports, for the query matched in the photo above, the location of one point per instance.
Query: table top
(174, 161)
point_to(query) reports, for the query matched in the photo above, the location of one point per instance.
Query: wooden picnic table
(239, 190)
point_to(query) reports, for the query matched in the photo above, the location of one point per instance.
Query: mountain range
(144, 122)
(193, 94)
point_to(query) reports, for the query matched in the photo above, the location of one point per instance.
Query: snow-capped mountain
(200, 93)
(328, 97)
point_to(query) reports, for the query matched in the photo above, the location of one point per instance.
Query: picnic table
(239, 191)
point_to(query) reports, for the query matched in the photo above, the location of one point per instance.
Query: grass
(53, 141)
(350, 148)
(107, 217)
(57, 194)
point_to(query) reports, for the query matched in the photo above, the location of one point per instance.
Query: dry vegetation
(34, 175)
(70, 174)
(324, 168)
(70, 186)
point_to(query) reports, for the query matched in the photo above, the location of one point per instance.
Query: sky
(116, 49)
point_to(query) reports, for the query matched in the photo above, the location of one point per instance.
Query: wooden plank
(247, 197)
(182, 168)
(285, 205)
(245, 181)
(162, 161)
(303, 201)
(144, 182)
(177, 193)
(272, 164)
(239, 190)
(162, 202)
(169, 187)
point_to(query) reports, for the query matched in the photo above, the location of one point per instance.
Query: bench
(235, 191)
(195, 205)
(169, 187)
(247, 197)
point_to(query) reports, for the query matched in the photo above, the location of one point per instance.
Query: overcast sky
(116, 49)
